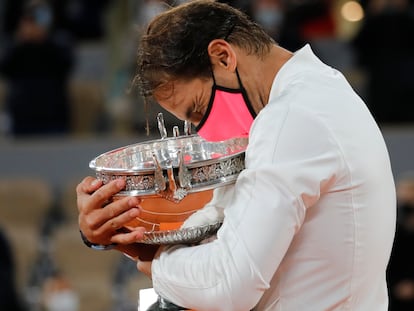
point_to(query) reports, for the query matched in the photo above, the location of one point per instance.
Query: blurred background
(66, 68)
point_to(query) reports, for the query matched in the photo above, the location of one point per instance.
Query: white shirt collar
(302, 60)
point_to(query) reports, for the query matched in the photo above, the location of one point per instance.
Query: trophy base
(163, 305)
(150, 301)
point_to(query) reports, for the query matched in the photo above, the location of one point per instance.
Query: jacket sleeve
(213, 211)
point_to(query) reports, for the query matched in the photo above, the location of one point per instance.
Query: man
(311, 221)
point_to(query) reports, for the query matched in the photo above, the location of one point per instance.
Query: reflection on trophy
(173, 177)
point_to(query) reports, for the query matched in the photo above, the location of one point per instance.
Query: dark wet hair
(176, 41)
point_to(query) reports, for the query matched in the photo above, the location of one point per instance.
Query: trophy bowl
(173, 177)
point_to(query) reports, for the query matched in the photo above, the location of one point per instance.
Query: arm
(255, 235)
(284, 176)
(214, 210)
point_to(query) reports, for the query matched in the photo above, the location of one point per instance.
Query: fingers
(102, 224)
(119, 212)
(99, 224)
(116, 214)
(88, 185)
(130, 237)
(83, 190)
(92, 196)
(104, 193)
(97, 193)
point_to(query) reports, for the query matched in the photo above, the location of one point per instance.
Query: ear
(222, 55)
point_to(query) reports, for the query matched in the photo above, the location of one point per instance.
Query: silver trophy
(173, 177)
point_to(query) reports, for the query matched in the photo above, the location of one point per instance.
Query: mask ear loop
(245, 96)
(228, 21)
(239, 80)
(227, 39)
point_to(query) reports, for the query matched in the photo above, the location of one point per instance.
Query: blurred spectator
(269, 14)
(400, 271)
(83, 19)
(36, 67)
(58, 294)
(317, 20)
(9, 297)
(306, 21)
(384, 47)
(149, 9)
(292, 24)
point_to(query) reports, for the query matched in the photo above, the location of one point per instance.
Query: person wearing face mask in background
(37, 66)
(269, 14)
(298, 229)
(400, 272)
(58, 294)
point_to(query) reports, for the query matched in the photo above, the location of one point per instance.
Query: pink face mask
(229, 114)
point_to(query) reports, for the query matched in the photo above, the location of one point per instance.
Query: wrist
(99, 247)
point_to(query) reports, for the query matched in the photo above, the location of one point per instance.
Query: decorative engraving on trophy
(217, 170)
(189, 235)
(138, 182)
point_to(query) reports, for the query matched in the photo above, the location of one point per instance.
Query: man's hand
(146, 266)
(101, 225)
